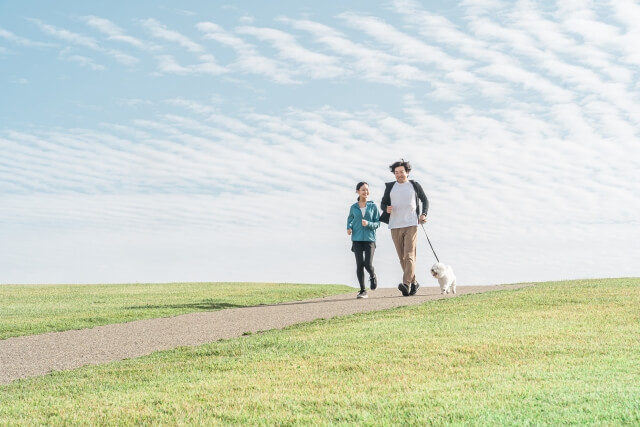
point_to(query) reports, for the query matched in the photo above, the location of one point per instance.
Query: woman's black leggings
(364, 259)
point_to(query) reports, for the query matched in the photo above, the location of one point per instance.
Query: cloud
(84, 41)
(628, 12)
(315, 64)
(249, 60)
(123, 58)
(18, 80)
(586, 67)
(508, 68)
(371, 64)
(410, 48)
(160, 31)
(66, 35)
(135, 102)
(8, 35)
(481, 7)
(168, 64)
(168, 175)
(115, 33)
(81, 60)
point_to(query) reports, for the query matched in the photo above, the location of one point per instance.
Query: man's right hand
(388, 209)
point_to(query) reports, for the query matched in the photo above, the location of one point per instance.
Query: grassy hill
(36, 309)
(559, 353)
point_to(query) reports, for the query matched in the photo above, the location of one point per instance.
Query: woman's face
(363, 192)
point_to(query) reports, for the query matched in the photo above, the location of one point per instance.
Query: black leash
(434, 252)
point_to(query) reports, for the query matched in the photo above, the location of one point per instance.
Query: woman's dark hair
(360, 184)
(401, 162)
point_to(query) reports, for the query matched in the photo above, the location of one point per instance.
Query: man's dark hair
(401, 162)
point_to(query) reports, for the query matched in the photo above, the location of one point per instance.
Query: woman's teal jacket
(354, 222)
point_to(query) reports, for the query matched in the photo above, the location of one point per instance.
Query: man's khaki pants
(405, 241)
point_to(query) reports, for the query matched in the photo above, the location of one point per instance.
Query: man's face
(401, 174)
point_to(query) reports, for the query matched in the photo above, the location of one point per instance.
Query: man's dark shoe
(374, 282)
(362, 294)
(404, 289)
(414, 288)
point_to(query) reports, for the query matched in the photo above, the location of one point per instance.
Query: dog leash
(434, 252)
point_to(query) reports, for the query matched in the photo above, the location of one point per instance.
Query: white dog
(445, 276)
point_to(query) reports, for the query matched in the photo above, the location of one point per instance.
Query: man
(402, 211)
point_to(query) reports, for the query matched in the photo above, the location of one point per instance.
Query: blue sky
(222, 141)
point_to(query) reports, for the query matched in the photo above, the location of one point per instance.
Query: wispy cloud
(371, 64)
(409, 47)
(136, 101)
(168, 64)
(249, 60)
(628, 13)
(66, 35)
(84, 41)
(20, 80)
(482, 7)
(160, 31)
(316, 65)
(8, 35)
(84, 61)
(179, 160)
(115, 33)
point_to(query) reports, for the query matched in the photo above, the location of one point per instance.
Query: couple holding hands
(404, 206)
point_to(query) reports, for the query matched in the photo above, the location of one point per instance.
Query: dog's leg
(453, 286)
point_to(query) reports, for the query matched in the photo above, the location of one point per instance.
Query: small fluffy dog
(445, 276)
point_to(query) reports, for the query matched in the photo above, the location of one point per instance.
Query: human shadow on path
(212, 305)
(206, 305)
(325, 301)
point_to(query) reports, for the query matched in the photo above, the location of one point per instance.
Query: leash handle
(434, 252)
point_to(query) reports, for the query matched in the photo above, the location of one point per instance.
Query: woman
(363, 220)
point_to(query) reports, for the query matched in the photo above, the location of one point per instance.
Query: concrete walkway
(29, 356)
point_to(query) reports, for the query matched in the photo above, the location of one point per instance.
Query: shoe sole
(404, 290)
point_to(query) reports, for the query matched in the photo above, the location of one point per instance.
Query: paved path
(34, 355)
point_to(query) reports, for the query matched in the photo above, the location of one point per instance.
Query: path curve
(29, 356)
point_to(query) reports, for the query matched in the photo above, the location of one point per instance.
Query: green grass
(561, 353)
(35, 309)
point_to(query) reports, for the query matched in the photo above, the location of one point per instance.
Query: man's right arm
(386, 203)
(386, 199)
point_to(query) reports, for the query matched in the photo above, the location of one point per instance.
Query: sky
(158, 141)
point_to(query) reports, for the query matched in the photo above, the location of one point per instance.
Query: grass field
(35, 309)
(561, 353)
